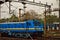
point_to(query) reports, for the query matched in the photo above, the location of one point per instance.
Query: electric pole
(59, 7)
(45, 21)
(19, 15)
(59, 12)
(0, 11)
(9, 7)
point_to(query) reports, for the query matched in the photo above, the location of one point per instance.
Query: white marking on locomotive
(21, 28)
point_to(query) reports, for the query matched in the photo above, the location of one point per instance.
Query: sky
(17, 5)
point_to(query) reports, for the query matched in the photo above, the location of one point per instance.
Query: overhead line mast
(35, 3)
(0, 11)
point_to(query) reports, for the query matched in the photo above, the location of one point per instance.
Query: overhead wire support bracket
(9, 7)
(35, 3)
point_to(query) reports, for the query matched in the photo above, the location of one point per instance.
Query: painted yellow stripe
(21, 29)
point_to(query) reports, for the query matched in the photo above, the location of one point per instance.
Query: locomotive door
(28, 25)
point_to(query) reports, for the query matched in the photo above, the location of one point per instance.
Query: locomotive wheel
(17, 35)
(4, 34)
(25, 35)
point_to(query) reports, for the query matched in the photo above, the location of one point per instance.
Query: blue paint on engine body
(27, 24)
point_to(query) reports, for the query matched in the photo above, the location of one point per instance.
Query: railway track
(8, 38)
(5, 37)
(13, 38)
(38, 38)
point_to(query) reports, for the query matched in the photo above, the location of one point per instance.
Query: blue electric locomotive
(20, 29)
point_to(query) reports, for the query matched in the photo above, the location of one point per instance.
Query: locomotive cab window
(36, 23)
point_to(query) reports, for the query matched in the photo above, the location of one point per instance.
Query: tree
(51, 19)
(13, 18)
(2, 20)
(30, 15)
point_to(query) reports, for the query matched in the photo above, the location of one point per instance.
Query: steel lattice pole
(59, 8)
(9, 7)
(59, 12)
(0, 11)
(45, 21)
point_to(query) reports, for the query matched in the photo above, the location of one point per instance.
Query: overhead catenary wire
(11, 5)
